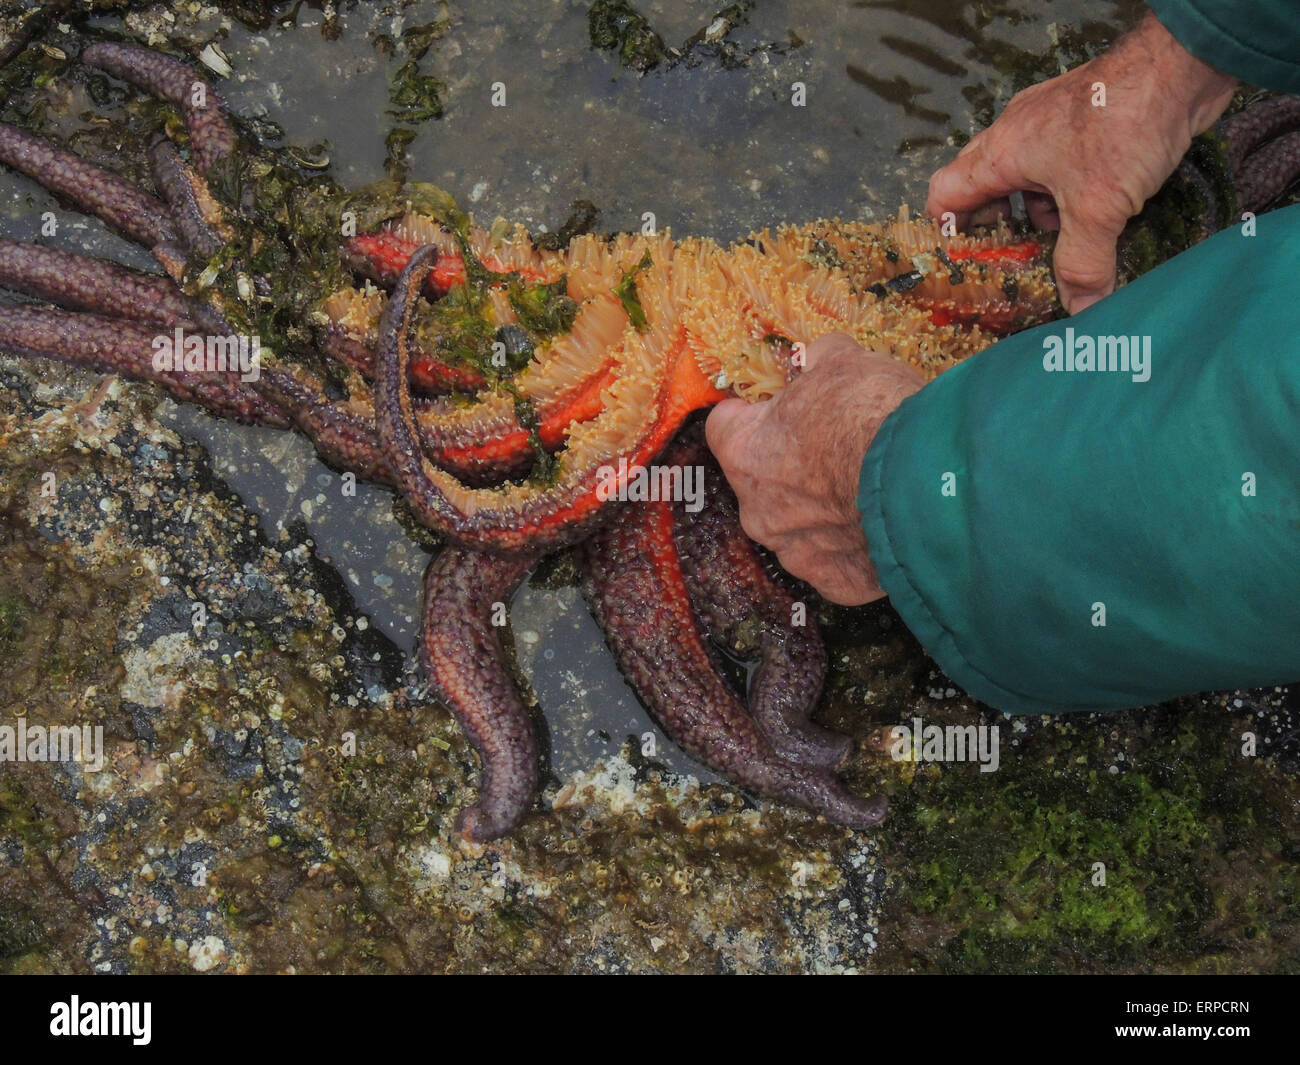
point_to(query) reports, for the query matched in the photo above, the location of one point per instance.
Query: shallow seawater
(836, 109)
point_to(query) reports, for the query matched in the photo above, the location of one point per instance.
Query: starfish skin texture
(460, 649)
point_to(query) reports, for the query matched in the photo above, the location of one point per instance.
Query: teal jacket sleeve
(1257, 41)
(1062, 537)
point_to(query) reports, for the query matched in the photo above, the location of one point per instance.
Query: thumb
(1084, 263)
(728, 426)
(827, 346)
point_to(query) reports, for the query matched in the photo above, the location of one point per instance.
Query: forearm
(1080, 540)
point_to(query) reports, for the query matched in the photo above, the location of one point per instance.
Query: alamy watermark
(53, 743)
(75, 1017)
(1084, 353)
(652, 484)
(920, 742)
(194, 353)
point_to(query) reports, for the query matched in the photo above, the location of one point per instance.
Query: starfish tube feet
(651, 391)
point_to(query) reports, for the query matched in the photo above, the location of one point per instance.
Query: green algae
(415, 97)
(13, 612)
(460, 331)
(1055, 863)
(626, 292)
(995, 872)
(1178, 215)
(545, 309)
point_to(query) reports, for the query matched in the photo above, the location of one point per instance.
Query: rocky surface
(277, 793)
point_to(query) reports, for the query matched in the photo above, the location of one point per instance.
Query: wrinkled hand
(794, 462)
(1085, 169)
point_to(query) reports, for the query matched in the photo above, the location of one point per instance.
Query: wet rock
(275, 796)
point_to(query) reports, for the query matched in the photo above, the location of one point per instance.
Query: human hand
(794, 462)
(1086, 169)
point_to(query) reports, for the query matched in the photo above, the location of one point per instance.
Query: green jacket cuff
(1257, 41)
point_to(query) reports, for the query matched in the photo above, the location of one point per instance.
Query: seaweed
(625, 290)
(616, 24)
(545, 309)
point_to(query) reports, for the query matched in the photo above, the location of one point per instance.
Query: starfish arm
(633, 582)
(461, 650)
(746, 608)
